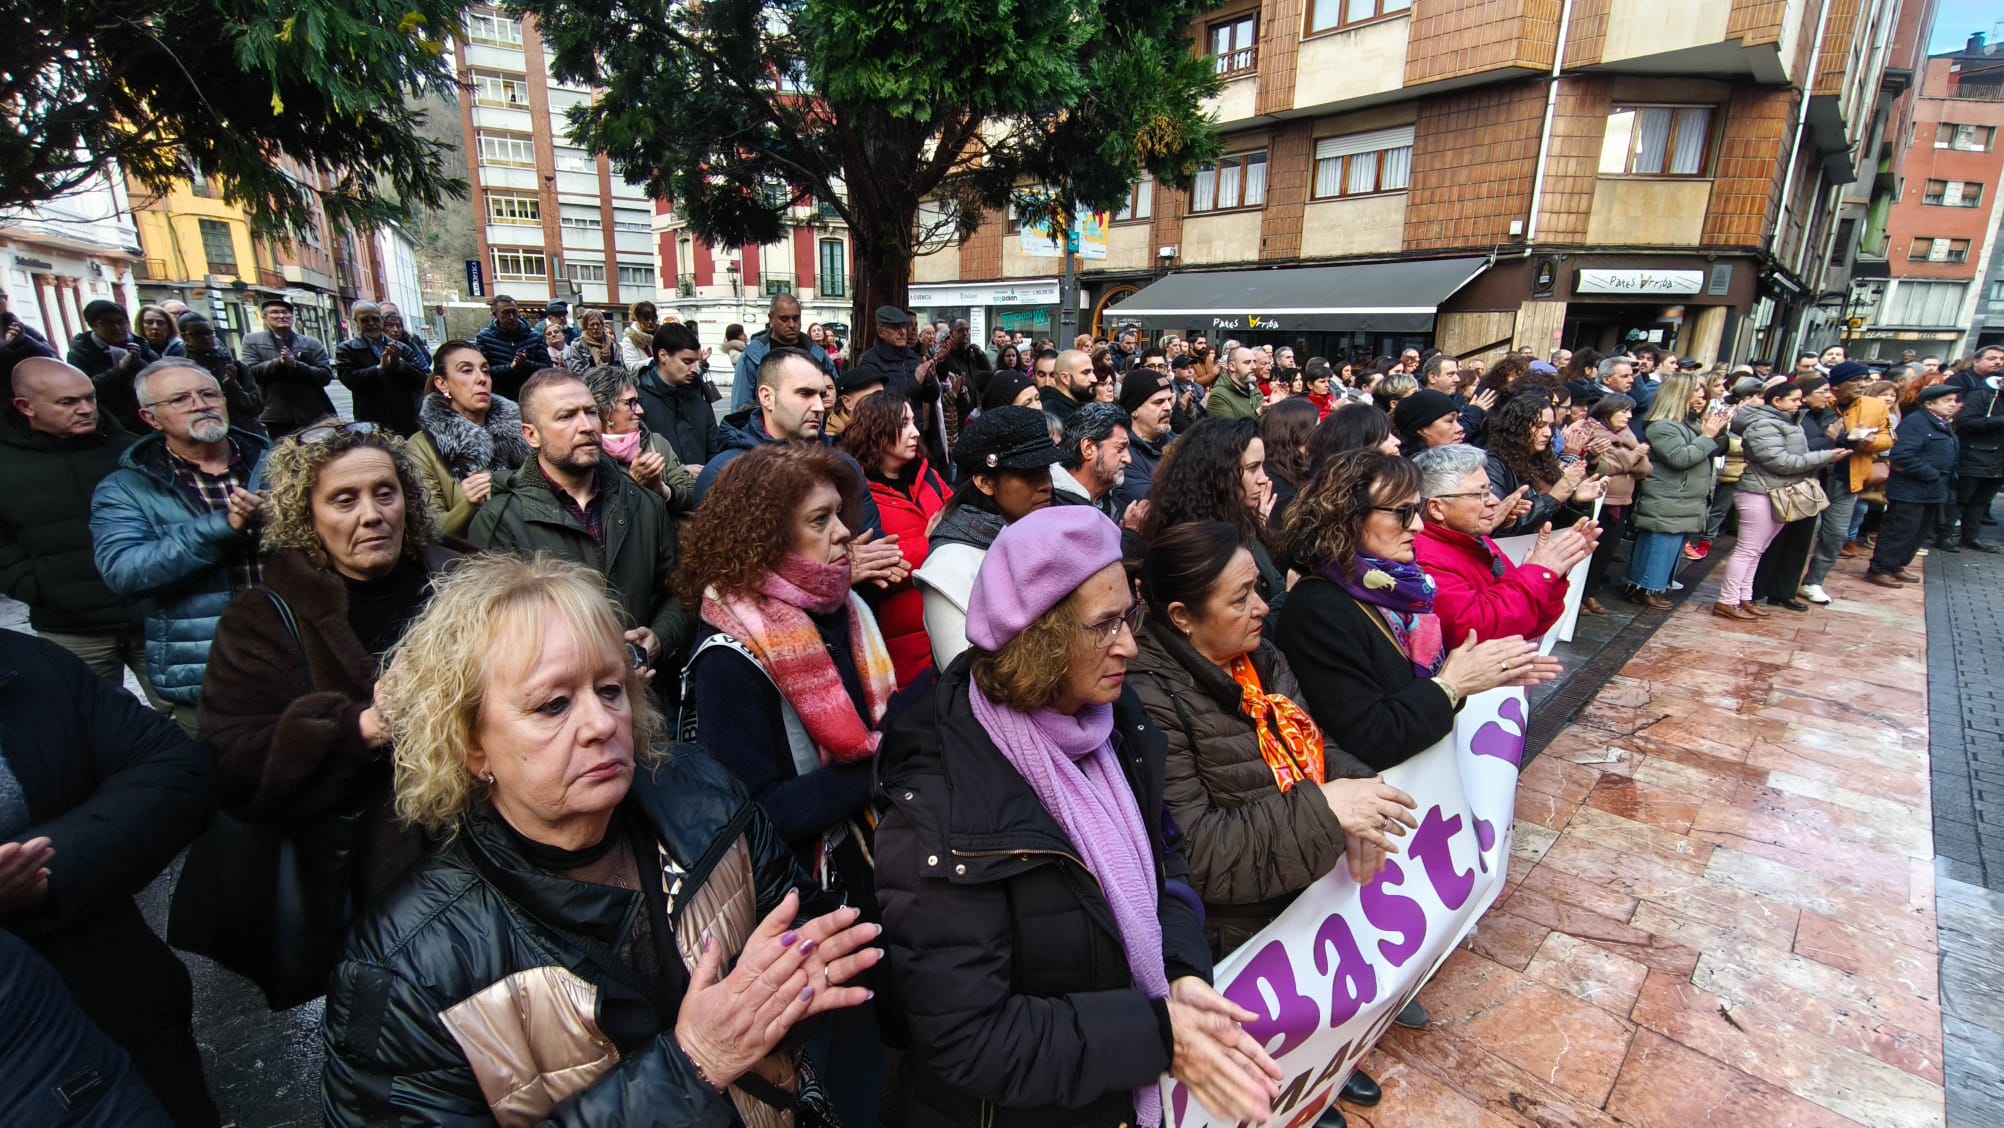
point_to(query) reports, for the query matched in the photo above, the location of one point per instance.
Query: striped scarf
(774, 626)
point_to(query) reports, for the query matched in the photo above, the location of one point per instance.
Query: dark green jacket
(638, 556)
(45, 546)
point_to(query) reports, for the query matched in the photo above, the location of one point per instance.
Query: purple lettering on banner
(1431, 846)
(1354, 981)
(1394, 912)
(1494, 740)
(1298, 1015)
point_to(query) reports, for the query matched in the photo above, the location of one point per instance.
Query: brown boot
(1851, 550)
(1906, 577)
(1884, 580)
(1658, 603)
(1755, 609)
(1732, 611)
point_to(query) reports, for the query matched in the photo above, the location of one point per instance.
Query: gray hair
(364, 306)
(1055, 426)
(1094, 422)
(1608, 366)
(140, 379)
(605, 382)
(1442, 469)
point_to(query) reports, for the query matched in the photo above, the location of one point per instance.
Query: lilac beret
(1033, 566)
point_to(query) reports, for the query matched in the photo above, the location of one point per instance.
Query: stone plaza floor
(1722, 904)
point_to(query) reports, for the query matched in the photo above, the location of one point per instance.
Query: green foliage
(735, 109)
(239, 89)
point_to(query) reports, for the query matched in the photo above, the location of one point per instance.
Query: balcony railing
(150, 270)
(1977, 92)
(1243, 61)
(777, 284)
(685, 286)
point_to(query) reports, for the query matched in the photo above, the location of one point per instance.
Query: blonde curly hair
(436, 679)
(294, 466)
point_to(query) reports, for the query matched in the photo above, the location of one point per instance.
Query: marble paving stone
(1665, 1084)
(1696, 775)
(1878, 808)
(1647, 879)
(1777, 816)
(1840, 859)
(1623, 939)
(1548, 811)
(1561, 779)
(1771, 881)
(1414, 1099)
(1548, 1033)
(1855, 950)
(1843, 1081)
(1906, 785)
(1470, 1068)
(1866, 1029)
(1601, 827)
(1563, 888)
(1589, 971)
(1507, 938)
(1643, 803)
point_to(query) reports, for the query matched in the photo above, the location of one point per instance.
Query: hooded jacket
(682, 413)
(294, 394)
(1002, 948)
(959, 544)
(45, 547)
(744, 378)
(1252, 847)
(155, 544)
(482, 989)
(1139, 476)
(450, 448)
(1777, 450)
(638, 556)
(1229, 401)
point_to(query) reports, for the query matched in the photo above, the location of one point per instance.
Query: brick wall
(1586, 36)
(981, 255)
(1759, 21)
(1834, 67)
(1579, 121)
(1474, 156)
(1452, 38)
(1279, 47)
(1752, 151)
(1289, 161)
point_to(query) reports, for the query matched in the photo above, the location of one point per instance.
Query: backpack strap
(806, 757)
(291, 624)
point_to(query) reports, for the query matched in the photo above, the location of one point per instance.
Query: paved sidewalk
(1722, 905)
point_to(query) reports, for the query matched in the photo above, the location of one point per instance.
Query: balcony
(270, 279)
(685, 286)
(150, 270)
(777, 284)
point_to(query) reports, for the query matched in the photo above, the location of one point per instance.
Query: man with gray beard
(175, 526)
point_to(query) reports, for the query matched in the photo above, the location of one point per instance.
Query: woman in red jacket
(910, 495)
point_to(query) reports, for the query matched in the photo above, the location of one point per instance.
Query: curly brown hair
(1028, 673)
(744, 528)
(874, 427)
(294, 467)
(1325, 525)
(1509, 438)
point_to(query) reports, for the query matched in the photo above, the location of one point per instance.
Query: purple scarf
(1404, 596)
(1071, 765)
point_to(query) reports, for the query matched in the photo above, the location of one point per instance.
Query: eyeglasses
(207, 397)
(1447, 497)
(1105, 632)
(326, 431)
(1405, 513)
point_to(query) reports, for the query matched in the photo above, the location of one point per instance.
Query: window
(1968, 138)
(585, 271)
(513, 149)
(1235, 182)
(1996, 295)
(1363, 163)
(630, 219)
(1656, 141)
(834, 272)
(492, 88)
(492, 29)
(1928, 249)
(520, 264)
(1140, 201)
(1953, 193)
(1326, 14)
(519, 211)
(636, 275)
(1925, 303)
(218, 246)
(1235, 45)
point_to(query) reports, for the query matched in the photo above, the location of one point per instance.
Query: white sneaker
(1675, 586)
(1814, 593)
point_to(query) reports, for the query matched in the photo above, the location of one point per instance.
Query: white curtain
(1204, 196)
(1256, 180)
(1693, 126)
(1363, 174)
(1398, 169)
(1655, 142)
(1228, 184)
(1328, 177)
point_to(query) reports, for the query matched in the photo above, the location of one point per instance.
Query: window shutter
(1401, 137)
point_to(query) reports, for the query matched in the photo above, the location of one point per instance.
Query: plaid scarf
(774, 626)
(1289, 740)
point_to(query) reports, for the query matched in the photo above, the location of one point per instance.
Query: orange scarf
(1288, 739)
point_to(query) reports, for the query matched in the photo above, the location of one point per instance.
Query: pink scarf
(623, 447)
(774, 626)
(1070, 764)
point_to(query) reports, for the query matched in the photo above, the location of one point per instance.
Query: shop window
(1237, 181)
(1953, 193)
(1235, 45)
(1364, 163)
(1140, 201)
(1966, 138)
(1656, 141)
(1326, 15)
(1929, 249)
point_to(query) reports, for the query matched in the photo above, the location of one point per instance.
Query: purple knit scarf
(1071, 765)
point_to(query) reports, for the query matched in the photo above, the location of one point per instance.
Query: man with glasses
(176, 525)
(290, 369)
(1477, 588)
(386, 376)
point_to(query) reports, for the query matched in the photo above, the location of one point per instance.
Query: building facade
(62, 255)
(1487, 174)
(716, 286)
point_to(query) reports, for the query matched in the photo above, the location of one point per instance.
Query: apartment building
(1936, 291)
(716, 286)
(1487, 174)
(59, 256)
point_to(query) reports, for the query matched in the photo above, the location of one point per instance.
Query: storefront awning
(1386, 297)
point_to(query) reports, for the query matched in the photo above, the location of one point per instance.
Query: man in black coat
(905, 375)
(97, 795)
(56, 1066)
(111, 356)
(1980, 427)
(673, 401)
(514, 351)
(1924, 458)
(386, 376)
(290, 369)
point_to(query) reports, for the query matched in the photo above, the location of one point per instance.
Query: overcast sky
(1956, 19)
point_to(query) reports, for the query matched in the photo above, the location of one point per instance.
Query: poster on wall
(1040, 240)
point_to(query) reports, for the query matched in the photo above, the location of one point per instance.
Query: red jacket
(1470, 596)
(901, 610)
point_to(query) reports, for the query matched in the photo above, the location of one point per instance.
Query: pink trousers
(1758, 528)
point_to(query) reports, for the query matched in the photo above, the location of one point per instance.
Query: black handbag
(271, 903)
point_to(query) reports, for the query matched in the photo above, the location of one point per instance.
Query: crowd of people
(903, 741)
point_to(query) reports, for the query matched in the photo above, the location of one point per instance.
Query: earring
(488, 779)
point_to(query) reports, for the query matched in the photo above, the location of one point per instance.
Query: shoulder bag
(1798, 500)
(271, 903)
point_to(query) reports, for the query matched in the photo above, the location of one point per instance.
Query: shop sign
(26, 263)
(1547, 278)
(1261, 321)
(1033, 293)
(1639, 282)
(1089, 241)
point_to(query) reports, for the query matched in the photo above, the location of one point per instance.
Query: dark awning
(1385, 297)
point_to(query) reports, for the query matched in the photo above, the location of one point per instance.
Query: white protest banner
(1517, 548)
(1330, 973)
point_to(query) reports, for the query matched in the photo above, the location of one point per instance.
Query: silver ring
(1506, 667)
(824, 976)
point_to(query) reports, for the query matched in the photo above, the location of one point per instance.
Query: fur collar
(467, 448)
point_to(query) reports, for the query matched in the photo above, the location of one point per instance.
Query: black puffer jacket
(1979, 427)
(46, 557)
(1003, 951)
(478, 913)
(1252, 847)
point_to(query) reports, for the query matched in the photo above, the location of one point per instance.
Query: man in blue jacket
(782, 331)
(1923, 457)
(514, 351)
(176, 524)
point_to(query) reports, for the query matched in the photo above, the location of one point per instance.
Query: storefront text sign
(1247, 321)
(1033, 293)
(1639, 282)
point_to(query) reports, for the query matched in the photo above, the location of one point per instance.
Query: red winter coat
(1470, 597)
(901, 610)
